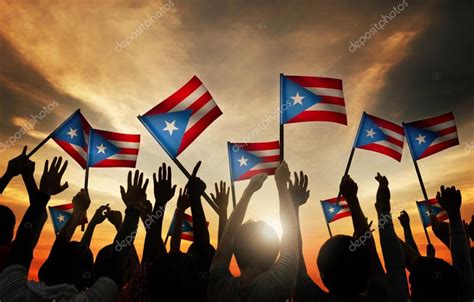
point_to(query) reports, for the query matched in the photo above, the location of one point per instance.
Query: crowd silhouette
(271, 270)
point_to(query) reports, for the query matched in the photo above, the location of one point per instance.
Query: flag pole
(232, 186)
(168, 233)
(180, 166)
(325, 218)
(45, 140)
(282, 126)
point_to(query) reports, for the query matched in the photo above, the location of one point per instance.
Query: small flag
(111, 149)
(60, 215)
(73, 137)
(334, 211)
(249, 159)
(177, 121)
(382, 136)
(429, 136)
(436, 210)
(308, 99)
(186, 228)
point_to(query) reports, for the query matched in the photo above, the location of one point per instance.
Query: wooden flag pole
(46, 139)
(326, 218)
(282, 126)
(181, 167)
(232, 186)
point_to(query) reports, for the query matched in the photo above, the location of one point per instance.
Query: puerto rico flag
(429, 136)
(112, 149)
(379, 135)
(334, 211)
(309, 99)
(60, 215)
(436, 209)
(249, 159)
(73, 137)
(186, 227)
(177, 121)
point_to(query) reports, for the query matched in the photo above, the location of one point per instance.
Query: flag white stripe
(343, 210)
(124, 144)
(131, 157)
(327, 107)
(190, 99)
(262, 153)
(389, 145)
(391, 133)
(200, 113)
(269, 165)
(326, 91)
(79, 150)
(442, 126)
(444, 138)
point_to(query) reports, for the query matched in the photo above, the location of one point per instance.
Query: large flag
(60, 215)
(429, 136)
(186, 228)
(307, 99)
(111, 149)
(379, 135)
(73, 137)
(249, 159)
(436, 210)
(333, 210)
(177, 121)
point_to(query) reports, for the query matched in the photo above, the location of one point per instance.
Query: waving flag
(60, 215)
(249, 159)
(429, 136)
(436, 210)
(334, 211)
(177, 121)
(111, 149)
(382, 136)
(186, 228)
(307, 99)
(73, 137)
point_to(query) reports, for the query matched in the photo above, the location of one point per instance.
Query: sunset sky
(71, 52)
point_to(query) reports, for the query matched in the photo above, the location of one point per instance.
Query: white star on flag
(170, 127)
(371, 133)
(72, 133)
(101, 149)
(61, 218)
(297, 99)
(421, 139)
(243, 161)
(331, 210)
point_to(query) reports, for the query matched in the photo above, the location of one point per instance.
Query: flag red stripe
(116, 163)
(72, 152)
(250, 173)
(384, 150)
(63, 207)
(438, 147)
(128, 151)
(188, 237)
(387, 124)
(201, 101)
(190, 135)
(306, 81)
(333, 200)
(259, 146)
(267, 159)
(340, 215)
(446, 131)
(134, 138)
(322, 116)
(325, 99)
(433, 121)
(394, 141)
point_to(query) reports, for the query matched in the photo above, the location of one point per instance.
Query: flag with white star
(73, 137)
(333, 210)
(309, 99)
(436, 210)
(429, 136)
(187, 230)
(249, 159)
(60, 215)
(111, 149)
(177, 121)
(379, 135)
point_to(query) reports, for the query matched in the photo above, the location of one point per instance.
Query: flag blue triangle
(295, 99)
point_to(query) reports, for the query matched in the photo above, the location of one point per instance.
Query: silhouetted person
(7, 228)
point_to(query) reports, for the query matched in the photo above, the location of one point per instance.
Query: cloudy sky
(108, 60)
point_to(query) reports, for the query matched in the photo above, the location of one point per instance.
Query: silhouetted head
(433, 279)
(344, 266)
(70, 263)
(174, 276)
(105, 263)
(256, 246)
(7, 225)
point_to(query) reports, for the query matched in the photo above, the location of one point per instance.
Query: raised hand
(81, 202)
(450, 199)
(196, 186)
(115, 218)
(404, 219)
(282, 174)
(136, 191)
(382, 203)
(256, 182)
(17, 165)
(299, 189)
(163, 188)
(100, 214)
(221, 198)
(183, 200)
(50, 183)
(348, 188)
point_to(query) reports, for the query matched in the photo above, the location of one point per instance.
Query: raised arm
(221, 199)
(99, 217)
(183, 205)
(196, 188)
(224, 251)
(164, 190)
(450, 199)
(391, 248)
(14, 168)
(441, 230)
(81, 203)
(405, 222)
